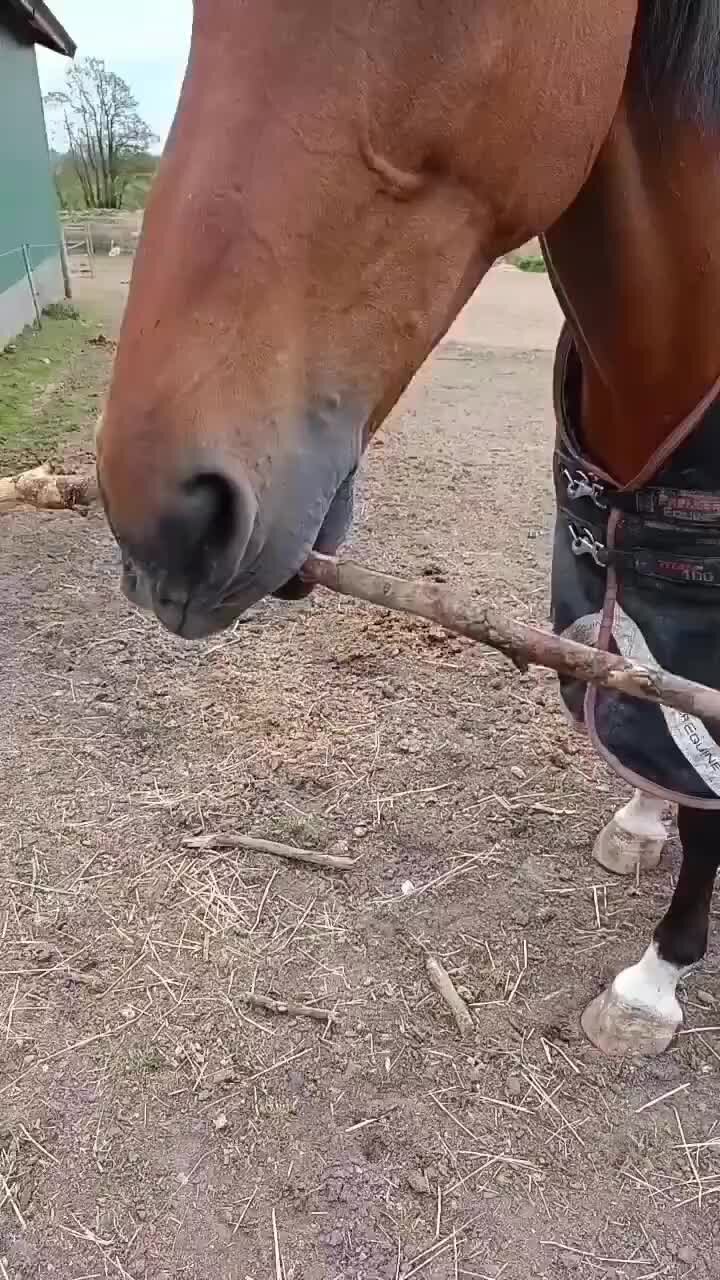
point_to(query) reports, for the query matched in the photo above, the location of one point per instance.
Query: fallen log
(523, 645)
(42, 489)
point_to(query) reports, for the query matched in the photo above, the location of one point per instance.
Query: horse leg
(635, 836)
(640, 1013)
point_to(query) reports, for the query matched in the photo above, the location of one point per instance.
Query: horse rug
(636, 571)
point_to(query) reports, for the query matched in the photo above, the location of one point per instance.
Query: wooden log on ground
(445, 987)
(220, 840)
(524, 645)
(40, 488)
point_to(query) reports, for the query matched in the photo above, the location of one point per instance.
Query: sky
(144, 41)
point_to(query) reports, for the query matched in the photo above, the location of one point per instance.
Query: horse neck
(636, 265)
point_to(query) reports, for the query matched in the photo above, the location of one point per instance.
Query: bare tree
(105, 134)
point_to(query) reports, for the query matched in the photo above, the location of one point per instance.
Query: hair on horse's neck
(676, 58)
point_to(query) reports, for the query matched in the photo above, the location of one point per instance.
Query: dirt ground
(154, 1123)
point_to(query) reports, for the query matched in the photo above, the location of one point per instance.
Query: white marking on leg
(643, 816)
(649, 986)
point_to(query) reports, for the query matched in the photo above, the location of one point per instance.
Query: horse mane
(677, 57)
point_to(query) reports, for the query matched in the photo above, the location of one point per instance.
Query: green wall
(28, 210)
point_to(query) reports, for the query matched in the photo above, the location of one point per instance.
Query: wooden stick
(41, 489)
(293, 1010)
(443, 984)
(524, 645)
(220, 841)
(279, 1269)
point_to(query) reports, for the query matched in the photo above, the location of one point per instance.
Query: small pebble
(514, 1086)
(517, 772)
(224, 1076)
(418, 1183)
(220, 1122)
(706, 998)
(687, 1255)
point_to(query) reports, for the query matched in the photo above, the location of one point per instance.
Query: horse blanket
(636, 571)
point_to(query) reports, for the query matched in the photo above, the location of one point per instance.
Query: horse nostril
(211, 511)
(206, 532)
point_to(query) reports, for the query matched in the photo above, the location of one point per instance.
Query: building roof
(40, 25)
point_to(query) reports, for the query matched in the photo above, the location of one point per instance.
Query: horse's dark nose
(203, 536)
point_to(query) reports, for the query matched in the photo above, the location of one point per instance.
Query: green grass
(61, 311)
(51, 381)
(531, 264)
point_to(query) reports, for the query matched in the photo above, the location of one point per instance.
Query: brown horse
(340, 176)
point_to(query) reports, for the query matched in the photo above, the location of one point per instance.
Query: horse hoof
(622, 851)
(618, 1030)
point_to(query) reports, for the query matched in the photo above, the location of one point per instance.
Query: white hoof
(617, 1029)
(634, 837)
(622, 851)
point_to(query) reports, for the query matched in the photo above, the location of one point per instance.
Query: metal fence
(26, 252)
(79, 247)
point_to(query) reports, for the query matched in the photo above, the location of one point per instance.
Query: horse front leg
(634, 837)
(640, 1013)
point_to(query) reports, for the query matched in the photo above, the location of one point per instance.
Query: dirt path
(151, 1121)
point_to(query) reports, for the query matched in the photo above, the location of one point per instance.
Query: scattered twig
(689, 1157)
(662, 1098)
(433, 1252)
(13, 1202)
(39, 1146)
(504, 1106)
(445, 988)
(597, 1257)
(522, 644)
(292, 1010)
(279, 1271)
(41, 489)
(552, 1045)
(522, 970)
(258, 1075)
(70, 1048)
(245, 1212)
(547, 1098)
(203, 844)
(474, 860)
(363, 1124)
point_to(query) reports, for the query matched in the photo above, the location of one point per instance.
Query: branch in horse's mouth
(332, 533)
(298, 587)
